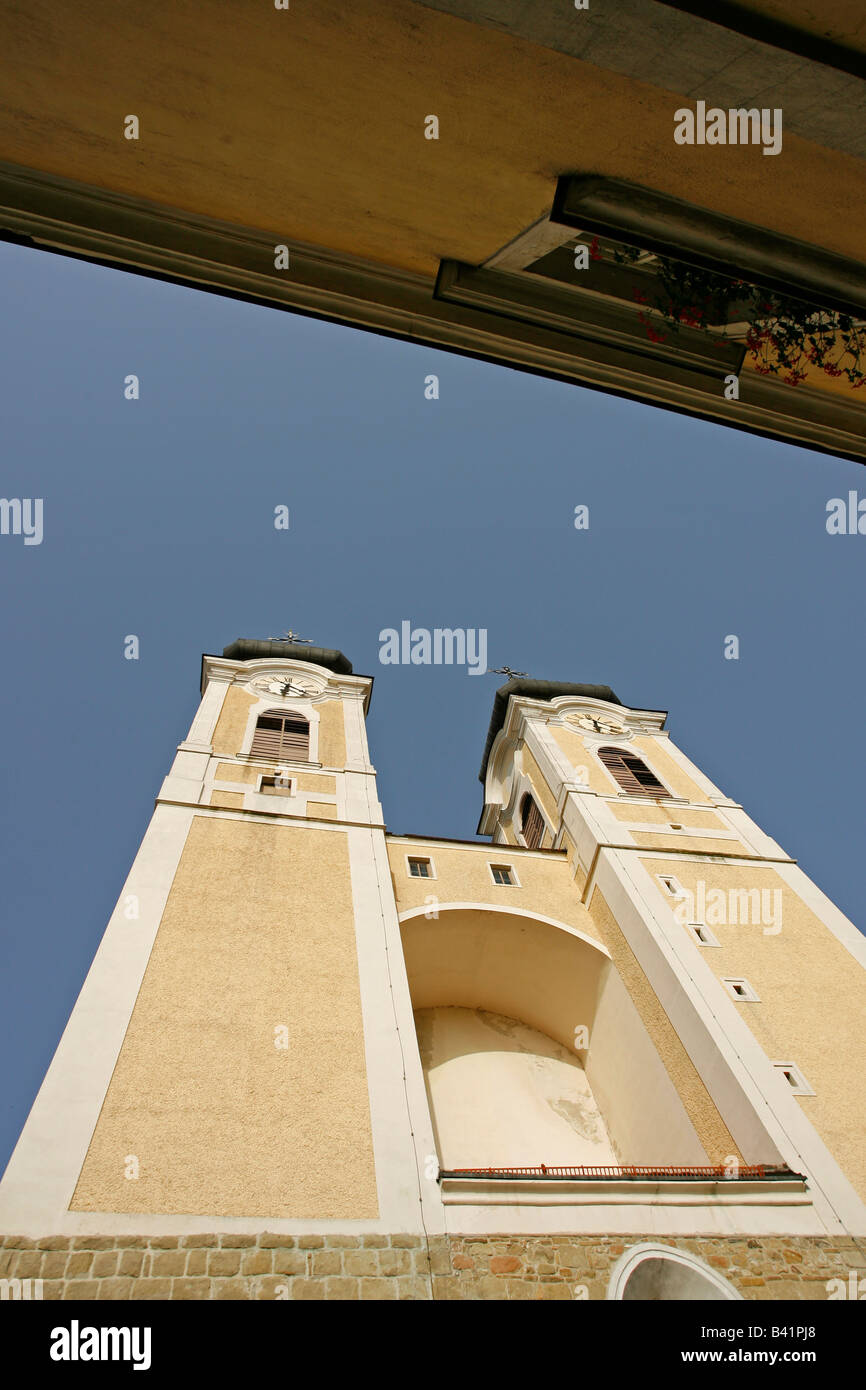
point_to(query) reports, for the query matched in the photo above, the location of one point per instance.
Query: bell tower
(235, 1052)
(703, 913)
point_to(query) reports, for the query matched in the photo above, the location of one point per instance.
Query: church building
(612, 1050)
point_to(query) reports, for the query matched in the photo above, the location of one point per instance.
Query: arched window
(657, 1273)
(281, 735)
(632, 773)
(531, 822)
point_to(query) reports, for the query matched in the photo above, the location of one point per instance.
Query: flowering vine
(785, 336)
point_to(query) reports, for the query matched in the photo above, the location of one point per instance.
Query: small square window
(702, 934)
(277, 786)
(795, 1078)
(420, 868)
(502, 873)
(670, 885)
(741, 989)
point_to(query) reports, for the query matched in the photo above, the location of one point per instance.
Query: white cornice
(636, 721)
(331, 684)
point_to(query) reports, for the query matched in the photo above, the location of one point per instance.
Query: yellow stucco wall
(651, 814)
(698, 844)
(661, 762)
(257, 932)
(539, 785)
(813, 1000)
(313, 782)
(575, 750)
(240, 772)
(229, 801)
(699, 1105)
(321, 810)
(332, 734)
(249, 774)
(573, 859)
(462, 875)
(229, 732)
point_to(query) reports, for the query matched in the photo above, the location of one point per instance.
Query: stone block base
(267, 1266)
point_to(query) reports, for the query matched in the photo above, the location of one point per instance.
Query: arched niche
(551, 977)
(500, 998)
(504, 762)
(522, 965)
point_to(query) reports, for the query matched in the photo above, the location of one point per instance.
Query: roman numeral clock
(281, 684)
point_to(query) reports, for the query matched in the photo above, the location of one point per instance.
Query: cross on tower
(290, 637)
(505, 671)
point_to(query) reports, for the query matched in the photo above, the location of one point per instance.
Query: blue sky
(158, 521)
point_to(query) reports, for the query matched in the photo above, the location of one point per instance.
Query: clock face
(282, 684)
(599, 724)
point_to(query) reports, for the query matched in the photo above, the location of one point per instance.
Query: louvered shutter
(281, 735)
(632, 773)
(532, 823)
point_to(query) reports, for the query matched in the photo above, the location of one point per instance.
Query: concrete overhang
(305, 128)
